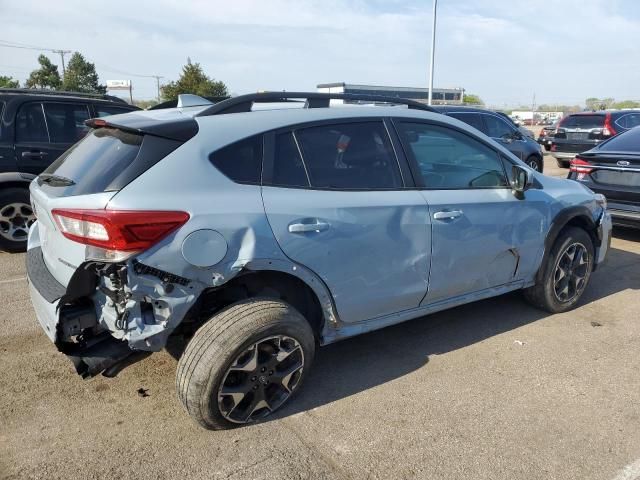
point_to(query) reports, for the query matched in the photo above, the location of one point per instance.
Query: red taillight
(608, 130)
(578, 165)
(118, 230)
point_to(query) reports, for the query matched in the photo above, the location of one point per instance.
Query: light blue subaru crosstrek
(241, 235)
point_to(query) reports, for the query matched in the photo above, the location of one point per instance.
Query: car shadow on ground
(357, 364)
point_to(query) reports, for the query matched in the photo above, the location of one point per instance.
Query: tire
(534, 162)
(562, 164)
(544, 294)
(16, 216)
(220, 358)
(547, 148)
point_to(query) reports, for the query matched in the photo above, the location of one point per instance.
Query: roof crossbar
(244, 103)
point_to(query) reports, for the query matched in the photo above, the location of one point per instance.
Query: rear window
(97, 160)
(625, 142)
(582, 121)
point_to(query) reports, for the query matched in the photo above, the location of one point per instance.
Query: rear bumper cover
(98, 354)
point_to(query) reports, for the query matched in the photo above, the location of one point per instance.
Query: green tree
(626, 104)
(193, 80)
(593, 103)
(47, 76)
(472, 99)
(8, 82)
(81, 76)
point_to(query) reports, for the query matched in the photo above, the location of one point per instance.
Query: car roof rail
(244, 103)
(62, 93)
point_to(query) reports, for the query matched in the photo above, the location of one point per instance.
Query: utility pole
(157, 77)
(62, 54)
(533, 108)
(433, 51)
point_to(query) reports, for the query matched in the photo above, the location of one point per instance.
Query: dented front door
(481, 238)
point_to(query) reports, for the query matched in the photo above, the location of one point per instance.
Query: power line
(25, 46)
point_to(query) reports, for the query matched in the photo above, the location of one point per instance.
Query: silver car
(243, 237)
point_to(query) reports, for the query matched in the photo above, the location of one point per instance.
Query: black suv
(579, 132)
(494, 125)
(36, 126)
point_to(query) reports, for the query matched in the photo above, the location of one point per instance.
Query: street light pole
(433, 51)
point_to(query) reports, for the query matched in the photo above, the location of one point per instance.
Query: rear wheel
(244, 363)
(562, 163)
(565, 274)
(16, 216)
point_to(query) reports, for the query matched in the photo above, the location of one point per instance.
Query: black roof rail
(63, 93)
(244, 103)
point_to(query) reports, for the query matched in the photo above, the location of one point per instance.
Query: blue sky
(504, 50)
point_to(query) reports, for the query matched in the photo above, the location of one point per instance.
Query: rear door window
(582, 121)
(288, 168)
(350, 156)
(240, 161)
(65, 121)
(30, 124)
(473, 119)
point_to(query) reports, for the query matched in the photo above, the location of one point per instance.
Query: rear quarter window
(241, 161)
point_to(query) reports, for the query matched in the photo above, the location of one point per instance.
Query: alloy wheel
(260, 379)
(15, 220)
(570, 275)
(534, 164)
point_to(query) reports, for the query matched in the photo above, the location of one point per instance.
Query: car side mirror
(522, 180)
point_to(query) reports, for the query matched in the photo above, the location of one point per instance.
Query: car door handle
(308, 227)
(34, 154)
(447, 215)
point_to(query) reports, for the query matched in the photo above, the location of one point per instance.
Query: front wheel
(565, 273)
(535, 163)
(16, 216)
(244, 363)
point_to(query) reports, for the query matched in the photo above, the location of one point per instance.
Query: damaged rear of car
(82, 282)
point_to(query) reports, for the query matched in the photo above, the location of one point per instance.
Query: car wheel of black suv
(535, 163)
(565, 273)
(562, 163)
(16, 216)
(244, 363)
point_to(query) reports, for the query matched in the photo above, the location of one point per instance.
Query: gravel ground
(492, 390)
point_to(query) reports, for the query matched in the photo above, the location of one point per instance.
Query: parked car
(545, 138)
(494, 125)
(613, 169)
(36, 126)
(579, 132)
(256, 235)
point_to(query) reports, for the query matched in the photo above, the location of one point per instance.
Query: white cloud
(504, 50)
